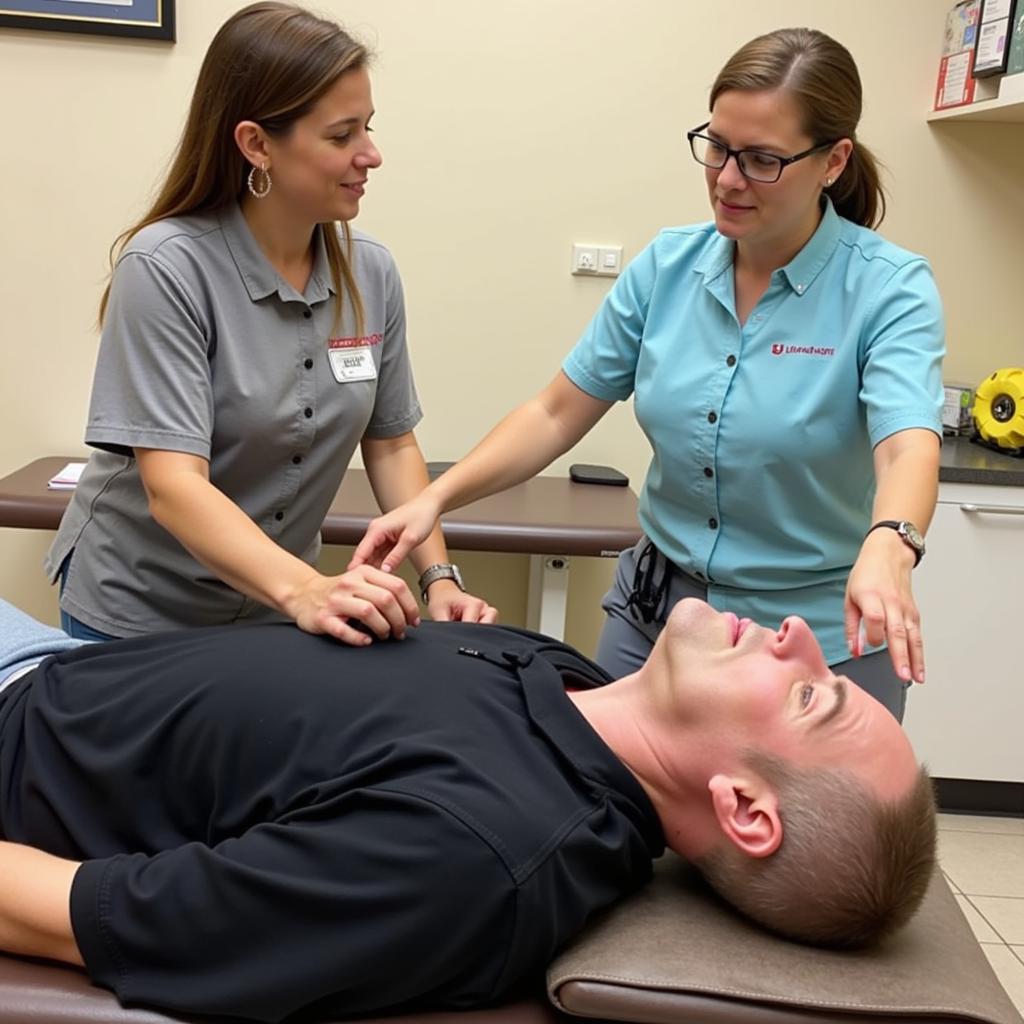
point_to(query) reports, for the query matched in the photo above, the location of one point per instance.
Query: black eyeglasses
(753, 163)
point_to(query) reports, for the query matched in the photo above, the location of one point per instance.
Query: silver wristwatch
(441, 571)
(909, 533)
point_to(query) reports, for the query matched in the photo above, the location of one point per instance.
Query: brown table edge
(462, 534)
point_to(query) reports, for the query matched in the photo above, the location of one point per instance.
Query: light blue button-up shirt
(762, 479)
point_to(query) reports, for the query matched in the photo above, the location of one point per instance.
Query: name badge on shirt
(352, 364)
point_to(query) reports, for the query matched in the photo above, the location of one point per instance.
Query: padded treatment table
(671, 954)
(548, 518)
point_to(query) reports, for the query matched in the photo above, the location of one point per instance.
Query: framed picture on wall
(994, 34)
(143, 19)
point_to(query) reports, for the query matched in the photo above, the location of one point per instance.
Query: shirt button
(307, 313)
(712, 417)
(307, 412)
(713, 523)
(709, 472)
(731, 361)
(799, 289)
(308, 364)
(279, 516)
(296, 459)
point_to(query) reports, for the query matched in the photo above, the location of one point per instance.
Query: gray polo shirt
(206, 350)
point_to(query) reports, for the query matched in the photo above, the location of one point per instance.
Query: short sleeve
(903, 345)
(152, 387)
(604, 360)
(361, 902)
(396, 409)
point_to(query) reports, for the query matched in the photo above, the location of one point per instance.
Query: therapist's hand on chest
(354, 607)
(446, 602)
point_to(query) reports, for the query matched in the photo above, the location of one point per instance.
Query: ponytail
(858, 195)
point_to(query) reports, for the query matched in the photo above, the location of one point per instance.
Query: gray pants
(626, 639)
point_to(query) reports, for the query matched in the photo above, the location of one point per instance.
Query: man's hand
(389, 538)
(446, 603)
(879, 595)
(329, 604)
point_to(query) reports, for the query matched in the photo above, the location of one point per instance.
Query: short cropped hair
(851, 868)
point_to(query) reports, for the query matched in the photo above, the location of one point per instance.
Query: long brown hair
(822, 78)
(269, 63)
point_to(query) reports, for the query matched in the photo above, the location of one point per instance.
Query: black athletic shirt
(273, 822)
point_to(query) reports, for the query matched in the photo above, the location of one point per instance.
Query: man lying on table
(252, 820)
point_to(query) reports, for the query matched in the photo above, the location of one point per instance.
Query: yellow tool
(999, 409)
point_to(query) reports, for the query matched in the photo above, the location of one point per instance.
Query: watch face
(910, 531)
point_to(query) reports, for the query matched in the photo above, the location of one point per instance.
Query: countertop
(965, 463)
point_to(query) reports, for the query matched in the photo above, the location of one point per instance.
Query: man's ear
(251, 140)
(747, 811)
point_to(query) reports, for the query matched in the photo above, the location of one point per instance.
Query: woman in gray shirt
(250, 341)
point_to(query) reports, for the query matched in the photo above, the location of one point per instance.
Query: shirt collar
(320, 283)
(716, 258)
(544, 673)
(257, 273)
(805, 266)
(801, 270)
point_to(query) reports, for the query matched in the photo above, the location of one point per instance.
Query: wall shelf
(1005, 110)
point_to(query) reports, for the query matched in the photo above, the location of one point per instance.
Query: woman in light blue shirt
(785, 363)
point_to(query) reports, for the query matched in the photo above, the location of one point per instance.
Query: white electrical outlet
(596, 260)
(585, 259)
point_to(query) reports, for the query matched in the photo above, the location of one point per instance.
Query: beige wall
(508, 131)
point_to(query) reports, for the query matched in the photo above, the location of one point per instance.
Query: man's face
(747, 687)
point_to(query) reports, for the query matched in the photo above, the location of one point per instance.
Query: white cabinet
(967, 721)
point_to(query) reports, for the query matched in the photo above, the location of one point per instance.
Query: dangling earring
(263, 192)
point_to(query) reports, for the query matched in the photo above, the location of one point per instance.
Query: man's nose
(795, 639)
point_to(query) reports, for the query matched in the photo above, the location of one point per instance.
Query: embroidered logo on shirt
(779, 349)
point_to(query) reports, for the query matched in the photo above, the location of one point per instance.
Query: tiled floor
(983, 860)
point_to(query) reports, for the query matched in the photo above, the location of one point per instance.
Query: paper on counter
(67, 478)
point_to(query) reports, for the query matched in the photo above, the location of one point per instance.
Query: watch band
(441, 571)
(908, 533)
